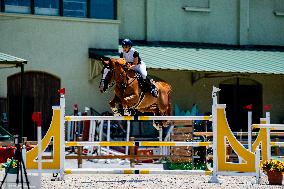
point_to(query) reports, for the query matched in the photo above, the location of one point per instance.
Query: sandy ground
(153, 181)
(122, 181)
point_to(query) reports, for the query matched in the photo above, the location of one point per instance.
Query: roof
(7, 61)
(234, 60)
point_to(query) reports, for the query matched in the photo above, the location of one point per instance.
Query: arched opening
(40, 94)
(236, 94)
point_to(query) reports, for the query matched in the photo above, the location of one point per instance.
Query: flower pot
(275, 177)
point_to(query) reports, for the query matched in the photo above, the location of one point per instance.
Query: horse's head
(110, 66)
(107, 75)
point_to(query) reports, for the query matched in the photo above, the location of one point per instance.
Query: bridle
(122, 80)
(122, 76)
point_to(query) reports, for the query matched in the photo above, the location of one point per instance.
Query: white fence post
(39, 152)
(62, 135)
(108, 135)
(267, 116)
(214, 178)
(101, 136)
(249, 131)
(127, 136)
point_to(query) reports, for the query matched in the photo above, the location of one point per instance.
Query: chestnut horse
(129, 95)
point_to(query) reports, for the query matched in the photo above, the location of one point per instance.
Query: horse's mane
(120, 61)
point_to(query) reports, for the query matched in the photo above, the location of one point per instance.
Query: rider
(132, 57)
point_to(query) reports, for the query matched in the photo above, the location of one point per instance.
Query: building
(236, 45)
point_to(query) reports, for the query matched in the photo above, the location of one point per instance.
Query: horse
(129, 95)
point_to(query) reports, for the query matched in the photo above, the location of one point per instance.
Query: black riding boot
(152, 87)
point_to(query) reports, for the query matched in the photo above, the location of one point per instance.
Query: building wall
(132, 17)
(58, 46)
(236, 22)
(265, 27)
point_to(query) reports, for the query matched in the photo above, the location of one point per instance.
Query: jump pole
(127, 136)
(267, 116)
(37, 118)
(62, 132)
(100, 136)
(249, 130)
(214, 178)
(108, 135)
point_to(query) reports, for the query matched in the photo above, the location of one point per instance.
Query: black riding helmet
(127, 42)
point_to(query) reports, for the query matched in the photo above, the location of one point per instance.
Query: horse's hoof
(117, 114)
(156, 125)
(127, 112)
(115, 111)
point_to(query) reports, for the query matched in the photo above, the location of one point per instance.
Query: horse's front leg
(113, 107)
(129, 103)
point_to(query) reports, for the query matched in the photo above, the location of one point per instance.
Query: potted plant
(13, 169)
(274, 170)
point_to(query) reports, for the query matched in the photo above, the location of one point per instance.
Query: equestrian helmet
(126, 42)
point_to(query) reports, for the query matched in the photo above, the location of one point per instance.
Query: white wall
(265, 27)
(58, 46)
(236, 22)
(132, 16)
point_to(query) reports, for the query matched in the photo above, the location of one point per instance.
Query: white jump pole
(37, 118)
(257, 163)
(92, 135)
(108, 135)
(69, 128)
(267, 116)
(100, 135)
(39, 152)
(62, 134)
(214, 178)
(161, 139)
(249, 131)
(127, 136)
(91, 139)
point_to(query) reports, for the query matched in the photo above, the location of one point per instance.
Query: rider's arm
(136, 58)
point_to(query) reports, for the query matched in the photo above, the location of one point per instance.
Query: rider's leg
(141, 69)
(152, 86)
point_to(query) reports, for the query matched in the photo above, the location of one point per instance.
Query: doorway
(40, 94)
(236, 94)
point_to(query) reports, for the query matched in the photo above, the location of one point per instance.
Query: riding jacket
(130, 55)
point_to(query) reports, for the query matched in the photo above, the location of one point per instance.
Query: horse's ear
(105, 61)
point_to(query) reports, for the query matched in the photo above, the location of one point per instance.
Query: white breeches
(141, 68)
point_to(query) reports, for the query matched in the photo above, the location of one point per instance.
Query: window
(278, 8)
(99, 9)
(102, 9)
(17, 6)
(47, 7)
(75, 8)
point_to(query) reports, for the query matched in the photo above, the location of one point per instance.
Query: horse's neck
(126, 80)
(123, 75)
(131, 73)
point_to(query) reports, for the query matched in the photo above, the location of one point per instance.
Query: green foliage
(272, 165)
